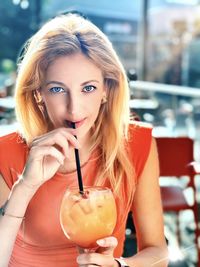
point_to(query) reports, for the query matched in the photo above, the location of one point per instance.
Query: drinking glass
(89, 216)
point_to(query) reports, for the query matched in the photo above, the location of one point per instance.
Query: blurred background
(158, 41)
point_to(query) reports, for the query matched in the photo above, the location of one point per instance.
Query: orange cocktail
(87, 217)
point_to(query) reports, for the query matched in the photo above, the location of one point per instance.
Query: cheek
(54, 112)
(94, 109)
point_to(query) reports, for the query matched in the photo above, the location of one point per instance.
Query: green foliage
(7, 66)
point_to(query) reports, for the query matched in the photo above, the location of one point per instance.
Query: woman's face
(72, 92)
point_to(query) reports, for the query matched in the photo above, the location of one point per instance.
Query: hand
(47, 154)
(103, 256)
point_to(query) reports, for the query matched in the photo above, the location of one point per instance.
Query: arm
(9, 226)
(43, 161)
(148, 219)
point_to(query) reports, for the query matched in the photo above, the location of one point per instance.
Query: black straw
(78, 166)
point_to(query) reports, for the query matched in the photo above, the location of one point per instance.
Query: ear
(104, 96)
(105, 91)
(104, 99)
(38, 97)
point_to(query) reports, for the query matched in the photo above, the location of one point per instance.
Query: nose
(73, 105)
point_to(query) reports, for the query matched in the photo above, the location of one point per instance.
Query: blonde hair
(66, 35)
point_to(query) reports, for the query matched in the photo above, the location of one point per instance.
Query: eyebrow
(84, 83)
(54, 82)
(60, 83)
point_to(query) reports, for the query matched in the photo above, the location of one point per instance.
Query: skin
(73, 91)
(147, 207)
(73, 96)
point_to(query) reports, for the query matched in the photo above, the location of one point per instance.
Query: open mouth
(69, 124)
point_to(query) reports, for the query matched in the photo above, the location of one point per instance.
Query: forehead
(76, 66)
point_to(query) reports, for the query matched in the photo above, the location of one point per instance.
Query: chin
(83, 133)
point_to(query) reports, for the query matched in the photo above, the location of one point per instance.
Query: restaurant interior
(158, 42)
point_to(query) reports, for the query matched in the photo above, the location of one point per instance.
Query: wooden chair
(176, 157)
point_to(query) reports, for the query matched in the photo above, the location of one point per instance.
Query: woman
(70, 73)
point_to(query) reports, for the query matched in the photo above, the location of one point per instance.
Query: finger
(54, 137)
(61, 130)
(38, 153)
(62, 144)
(64, 131)
(86, 259)
(107, 245)
(60, 138)
(85, 250)
(95, 259)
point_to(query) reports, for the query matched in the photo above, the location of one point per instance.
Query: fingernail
(101, 242)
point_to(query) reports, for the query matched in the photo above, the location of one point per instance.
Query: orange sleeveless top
(43, 243)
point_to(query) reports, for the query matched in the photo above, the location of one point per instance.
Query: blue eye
(89, 88)
(56, 89)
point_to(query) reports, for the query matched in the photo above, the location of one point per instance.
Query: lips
(78, 123)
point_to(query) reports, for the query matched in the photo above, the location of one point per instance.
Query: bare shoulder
(153, 148)
(4, 191)
(152, 160)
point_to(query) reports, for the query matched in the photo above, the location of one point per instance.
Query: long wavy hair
(67, 35)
